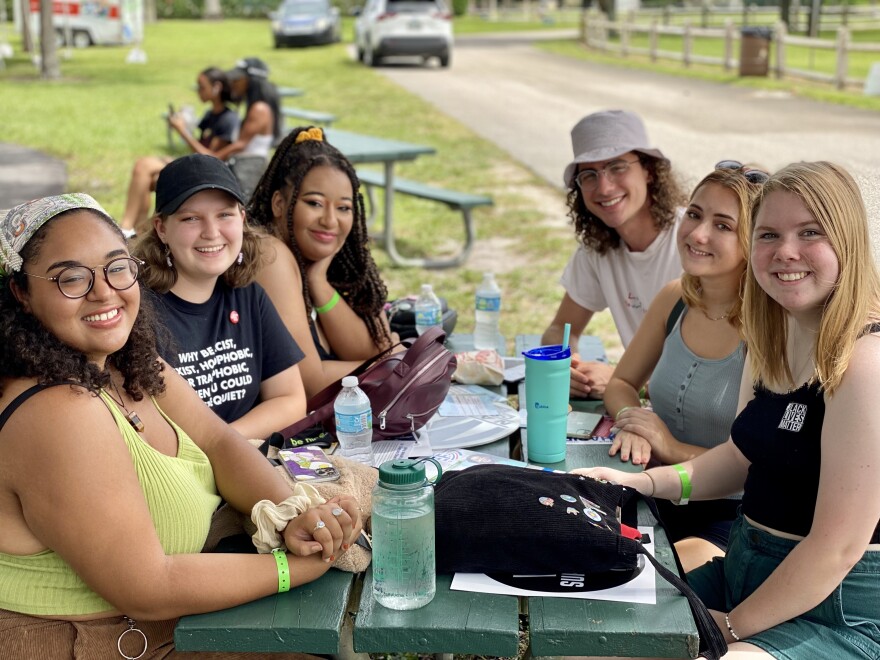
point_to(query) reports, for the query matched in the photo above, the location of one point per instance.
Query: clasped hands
(642, 434)
(330, 528)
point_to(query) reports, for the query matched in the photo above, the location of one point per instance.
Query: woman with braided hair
(323, 280)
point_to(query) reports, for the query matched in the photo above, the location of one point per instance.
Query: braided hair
(353, 273)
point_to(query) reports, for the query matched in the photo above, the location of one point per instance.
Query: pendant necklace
(716, 318)
(130, 415)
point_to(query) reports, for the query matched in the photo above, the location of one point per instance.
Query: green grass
(104, 113)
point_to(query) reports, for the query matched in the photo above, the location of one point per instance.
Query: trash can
(754, 52)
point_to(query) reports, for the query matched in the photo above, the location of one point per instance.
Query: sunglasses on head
(752, 176)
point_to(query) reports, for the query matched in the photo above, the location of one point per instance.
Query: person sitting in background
(229, 343)
(623, 200)
(696, 365)
(801, 574)
(323, 279)
(217, 129)
(260, 128)
(111, 466)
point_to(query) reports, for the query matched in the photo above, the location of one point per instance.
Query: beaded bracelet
(730, 627)
(685, 485)
(283, 570)
(330, 304)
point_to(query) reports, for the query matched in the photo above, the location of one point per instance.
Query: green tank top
(181, 495)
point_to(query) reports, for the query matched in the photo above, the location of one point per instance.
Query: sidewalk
(26, 174)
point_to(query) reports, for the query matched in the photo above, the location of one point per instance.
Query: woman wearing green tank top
(110, 464)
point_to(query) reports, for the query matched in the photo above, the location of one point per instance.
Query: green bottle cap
(402, 471)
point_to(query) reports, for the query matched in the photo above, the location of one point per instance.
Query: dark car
(305, 23)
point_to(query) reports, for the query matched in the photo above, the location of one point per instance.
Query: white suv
(386, 28)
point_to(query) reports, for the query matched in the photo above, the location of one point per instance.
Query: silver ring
(319, 525)
(338, 511)
(131, 629)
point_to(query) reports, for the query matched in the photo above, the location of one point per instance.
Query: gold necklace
(130, 415)
(716, 318)
(796, 383)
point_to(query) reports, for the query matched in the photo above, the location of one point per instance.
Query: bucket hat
(184, 177)
(607, 134)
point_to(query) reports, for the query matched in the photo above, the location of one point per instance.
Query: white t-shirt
(624, 281)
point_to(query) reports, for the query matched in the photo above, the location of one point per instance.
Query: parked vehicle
(305, 22)
(84, 23)
(386, 28)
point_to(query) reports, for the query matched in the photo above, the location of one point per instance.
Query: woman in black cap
(229, 342)
(260, 128)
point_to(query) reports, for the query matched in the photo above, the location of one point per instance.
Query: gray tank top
(695, 397)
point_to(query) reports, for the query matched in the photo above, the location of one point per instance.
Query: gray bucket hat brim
(605, 135)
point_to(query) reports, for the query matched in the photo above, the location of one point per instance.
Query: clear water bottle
(404, 567)
(428, 309)
(487, 309)
(354, 422)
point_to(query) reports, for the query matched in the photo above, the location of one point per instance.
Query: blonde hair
(832, 197)
(159, 277)
(746, 192)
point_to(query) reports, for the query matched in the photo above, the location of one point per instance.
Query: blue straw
(565, 335)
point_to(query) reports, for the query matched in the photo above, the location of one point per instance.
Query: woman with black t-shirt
(801, 575)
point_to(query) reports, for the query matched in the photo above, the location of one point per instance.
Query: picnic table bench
(458, 201)
(310, 116)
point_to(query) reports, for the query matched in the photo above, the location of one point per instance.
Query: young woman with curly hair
(323, 279)
(228, 341)
(106, 498)
(623, 201)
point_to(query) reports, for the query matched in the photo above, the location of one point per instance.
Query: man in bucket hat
(624, 201)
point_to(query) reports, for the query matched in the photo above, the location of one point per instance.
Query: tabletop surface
(360, 148)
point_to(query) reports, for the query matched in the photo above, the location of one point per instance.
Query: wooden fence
(597, 33)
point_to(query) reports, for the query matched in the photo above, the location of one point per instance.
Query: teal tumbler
(548, 371)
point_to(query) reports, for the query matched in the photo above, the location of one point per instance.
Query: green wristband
(685, 484)
(283, 569)
(330, 304)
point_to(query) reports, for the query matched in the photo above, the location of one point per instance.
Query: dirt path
(526, 101)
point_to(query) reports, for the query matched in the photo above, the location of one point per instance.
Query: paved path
(526, 101)
(26, 174)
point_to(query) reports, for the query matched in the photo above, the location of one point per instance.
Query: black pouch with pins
(514, 521)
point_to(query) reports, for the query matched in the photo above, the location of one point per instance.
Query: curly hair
(664, 191)
(161, 278)
(352, 272)
(29, 350)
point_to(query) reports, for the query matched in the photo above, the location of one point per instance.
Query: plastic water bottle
(404, 567)
(354, 422)
(428, 309)
(487, 309)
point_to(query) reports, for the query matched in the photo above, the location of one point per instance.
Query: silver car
(386, 28)
(305, 23)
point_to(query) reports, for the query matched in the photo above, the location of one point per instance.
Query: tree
(49, 66)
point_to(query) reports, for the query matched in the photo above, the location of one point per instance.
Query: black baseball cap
(184, 177)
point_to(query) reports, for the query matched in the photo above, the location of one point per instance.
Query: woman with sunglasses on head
(202, 258)
(801, 574)
(111, 466)
(217, 129)
(323, 279)
(690, 346)
(623, 201)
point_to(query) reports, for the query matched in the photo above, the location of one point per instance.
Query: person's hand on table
(638, 480)
(329, 528)
(588, 379)
(648, 426)
(631, 446)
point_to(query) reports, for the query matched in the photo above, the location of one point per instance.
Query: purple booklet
(308, 464)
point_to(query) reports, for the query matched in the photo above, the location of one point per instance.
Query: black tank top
(781, 435)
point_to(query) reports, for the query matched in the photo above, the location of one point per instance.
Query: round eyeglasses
(589, 179)
(751, 175)
(77, 281)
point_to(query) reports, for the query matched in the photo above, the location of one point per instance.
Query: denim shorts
(846, 625)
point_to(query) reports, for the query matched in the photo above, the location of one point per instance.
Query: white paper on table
(589, 441)
(641, 589)
(390, 450)
(514, 369)
(469, 401)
